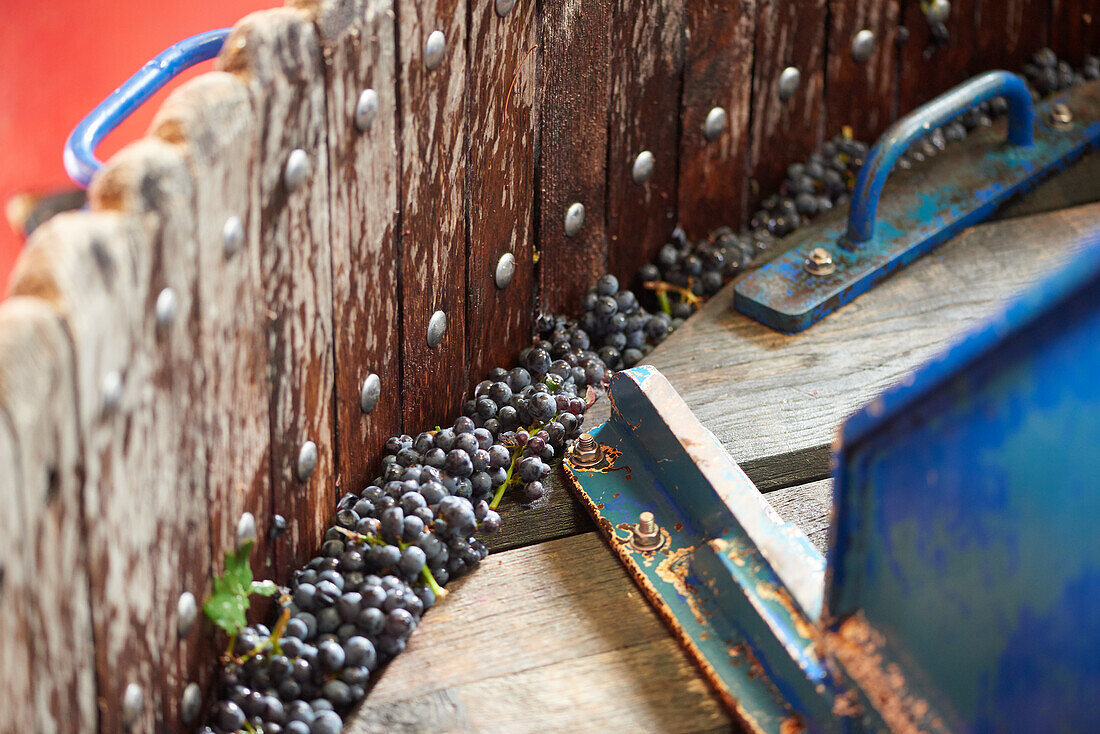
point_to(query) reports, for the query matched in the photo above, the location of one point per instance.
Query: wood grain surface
(501, 143)
(810, 507)
(861, 94)
(574, 82)
(360, 54)
(48, 682)
(788, 33)
(1009, 32)
(433, 225)
(1075, 29)
(647, 57)
(277, 54)
(718, 60)
(925, 71)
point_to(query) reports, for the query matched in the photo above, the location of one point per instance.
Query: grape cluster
(1047, 74)
(620, 330)
(702, 267)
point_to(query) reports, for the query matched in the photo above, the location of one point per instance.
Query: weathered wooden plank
(1079, 184)
(551, 637)
(48, 682)
(789, 33)
(359, 48)
(925, 71)
(647, 56)
(810, 507)
(502, 129)
(433, 225)
(573, 96)
(718, 59)
(211, 122)
(1075, 29)
(861, 92)
(277, 54)
(1009, 32)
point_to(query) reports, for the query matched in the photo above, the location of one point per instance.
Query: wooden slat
(788, 33)
(567, 644)
(810, 507)
(718, 58)
(210, 120)
(48, 681)
(278, 54)
(358, 38)
(433, 227)
(500, 139)
(923, 74)
(861, 94)
(573, 96)
(1009, 32)
(1079, 184)
(647, 56)
(1075, 29)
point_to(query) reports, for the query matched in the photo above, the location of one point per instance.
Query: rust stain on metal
(674, 570)
(781, 596)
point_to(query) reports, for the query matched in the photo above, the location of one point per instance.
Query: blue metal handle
(918, 123)
(80, 161)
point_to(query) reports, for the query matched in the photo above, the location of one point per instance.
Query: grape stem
(425, 572)
(663, 288)
(517, 452)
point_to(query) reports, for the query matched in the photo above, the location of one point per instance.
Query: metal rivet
(188, 611)
(232, 236)
(297, 169)
(715, 124)
(1061, 117)
(506, 268)
(936, 11)
(504, 7)
(574, 218)
(133, 701)
(862, 45)
(246, 529)
(434, 49)
(437, 327)
(372, 390)
(190, 703)
(789, 79)
(646, 535)
(112, 390)
(167, 305)
(366, 109)
(820, 262)
(307, 460)
(643, 167)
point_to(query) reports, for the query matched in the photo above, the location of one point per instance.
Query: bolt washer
(646, 535)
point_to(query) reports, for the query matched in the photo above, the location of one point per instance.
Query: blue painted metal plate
(917, 213)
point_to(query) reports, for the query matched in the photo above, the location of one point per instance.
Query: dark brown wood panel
(1009, 32)
(718, 59)
(433, 225)
(925, 71)
(862, 93)
(788, 33)
(501, 141)
(278, 54)
(360, 55)
(211, 121)
(647, 56)
(1075, 29)
(573, 96)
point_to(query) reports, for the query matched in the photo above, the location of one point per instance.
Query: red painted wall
(59, 58)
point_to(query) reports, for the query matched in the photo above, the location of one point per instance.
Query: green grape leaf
(226, 610)
(264, 588)
(228, 601)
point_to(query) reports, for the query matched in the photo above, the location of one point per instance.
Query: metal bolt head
(187, 609)
(112, 391)
(133, 701)
(437, 327)
(820, 262)
(574, 219)
(434, 49)
(789, 79)
(190, 703)
(1061, 117)
(506, 268)
(715, 123)
(643, 167)
(372, 390)
(646, 535)
(297, 169)
(503, 7)
(232, 236)
(862, 45)
(166, 308)
(366, 109)
(586, 452)
(246, 529)
(936, 11)
(307, 461)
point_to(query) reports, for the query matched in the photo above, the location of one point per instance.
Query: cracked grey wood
(809, 506)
